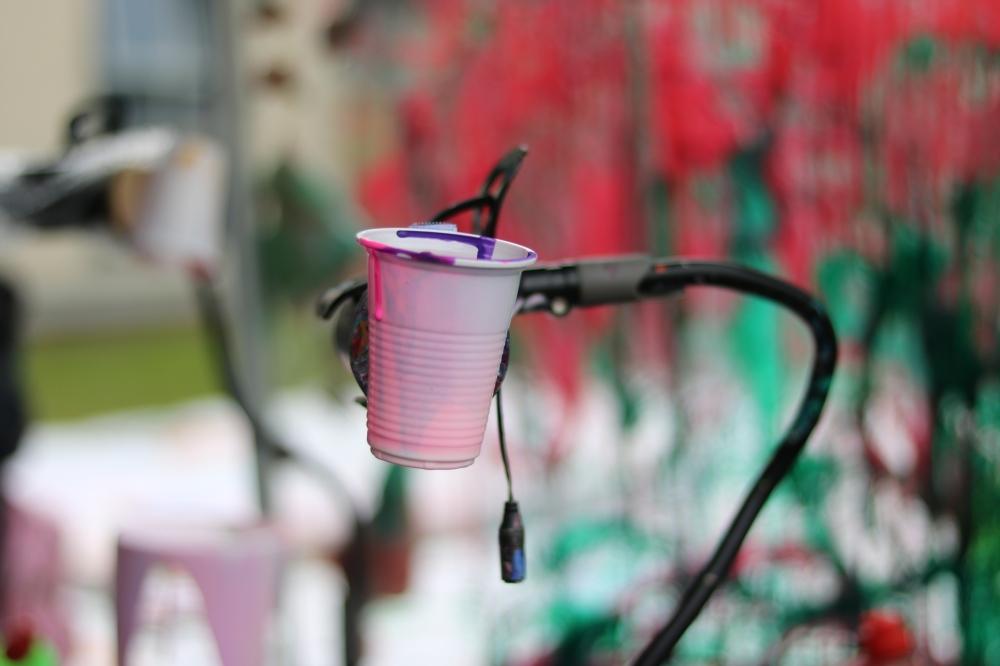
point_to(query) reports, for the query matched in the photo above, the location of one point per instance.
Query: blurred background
(850, 146)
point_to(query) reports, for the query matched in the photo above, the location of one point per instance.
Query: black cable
(510, 536)
(670, 276)
(266, 443)
(267, 446)
(500, 176)
(214, 323)
(503, 448)
(474, 204)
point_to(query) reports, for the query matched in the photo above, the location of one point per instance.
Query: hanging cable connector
(513, 564)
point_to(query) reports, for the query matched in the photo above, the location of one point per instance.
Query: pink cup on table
(439, 305)
(237, 572)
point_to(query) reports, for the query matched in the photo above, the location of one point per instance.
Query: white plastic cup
(439, 305)
(182, 215)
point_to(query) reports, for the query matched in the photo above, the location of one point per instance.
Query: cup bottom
(420, 464)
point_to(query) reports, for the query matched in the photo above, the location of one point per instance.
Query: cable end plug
(513, 565)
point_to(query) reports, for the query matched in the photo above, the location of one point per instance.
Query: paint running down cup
(439, 305)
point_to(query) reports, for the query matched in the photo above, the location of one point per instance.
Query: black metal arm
(608, 281)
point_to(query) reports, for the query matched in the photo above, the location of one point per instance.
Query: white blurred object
(62, 192)
(180, 217)
(114, 152)
(164, 191)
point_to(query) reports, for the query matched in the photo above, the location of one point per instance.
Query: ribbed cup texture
(429, 394)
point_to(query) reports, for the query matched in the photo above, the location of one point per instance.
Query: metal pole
(242, 280)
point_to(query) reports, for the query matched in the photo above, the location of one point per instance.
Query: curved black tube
(669, 276)
(500, 178)
(558, 288)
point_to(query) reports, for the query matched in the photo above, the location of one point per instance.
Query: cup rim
(379, 240)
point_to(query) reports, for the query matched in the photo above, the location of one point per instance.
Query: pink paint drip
(376, 286)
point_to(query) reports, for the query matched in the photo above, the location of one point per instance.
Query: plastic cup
(439, 305)
(182, 214)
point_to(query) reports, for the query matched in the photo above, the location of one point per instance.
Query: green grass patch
(70, 378)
